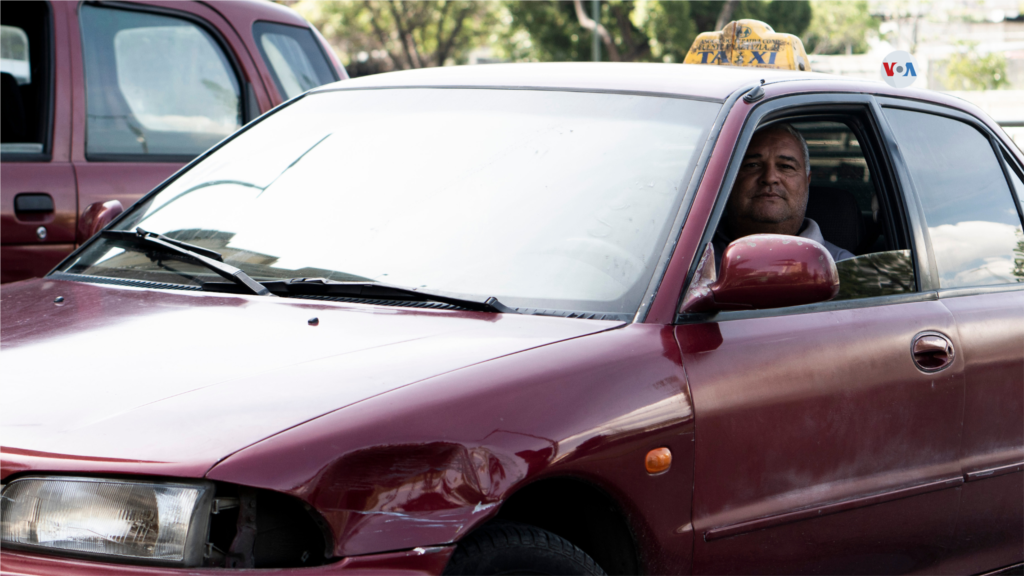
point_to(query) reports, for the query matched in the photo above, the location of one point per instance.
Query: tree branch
(407, 43)
(443, 55)
(381, 35)
(439, 34)
(626, 29)
(412, 23)
(589, 24)
(725, 15)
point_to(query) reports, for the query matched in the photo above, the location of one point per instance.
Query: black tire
(511, 548)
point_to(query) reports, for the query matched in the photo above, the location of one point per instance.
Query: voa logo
(899, 69)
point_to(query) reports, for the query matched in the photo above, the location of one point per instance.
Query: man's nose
(770, 174)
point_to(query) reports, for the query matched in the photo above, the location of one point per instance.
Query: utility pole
(595, 38)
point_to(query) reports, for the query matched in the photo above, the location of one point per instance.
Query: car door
(824, 442)
(963, 179)
(157, 84)
(38, 201)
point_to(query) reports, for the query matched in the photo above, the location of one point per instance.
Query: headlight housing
(147, 521)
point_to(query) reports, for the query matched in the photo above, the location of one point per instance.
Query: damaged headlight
(150, 521)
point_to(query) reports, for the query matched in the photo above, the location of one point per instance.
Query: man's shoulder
(812, 231)
(836, 252)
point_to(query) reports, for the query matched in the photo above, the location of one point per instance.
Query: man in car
(770, 193)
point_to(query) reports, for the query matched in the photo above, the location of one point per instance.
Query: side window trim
(1002, 157)
(1011, 168)
(220, 42)
(825, 103)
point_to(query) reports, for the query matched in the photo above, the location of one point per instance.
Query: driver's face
(770, 194)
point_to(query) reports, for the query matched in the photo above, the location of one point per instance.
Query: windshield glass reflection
(543, 199)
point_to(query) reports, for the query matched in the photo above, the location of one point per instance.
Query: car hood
(159, 381)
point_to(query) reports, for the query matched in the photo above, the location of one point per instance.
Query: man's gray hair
(788, 128)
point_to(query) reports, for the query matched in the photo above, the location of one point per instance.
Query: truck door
(38, 203)
(158, 84)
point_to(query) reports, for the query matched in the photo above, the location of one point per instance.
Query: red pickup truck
(102, 101)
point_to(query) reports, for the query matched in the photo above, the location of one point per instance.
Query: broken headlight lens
(160, 522)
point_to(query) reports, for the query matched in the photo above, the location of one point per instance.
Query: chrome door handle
(932, 351)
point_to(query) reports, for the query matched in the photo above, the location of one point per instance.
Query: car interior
(849, 201)
(841, 191)
(24, 77)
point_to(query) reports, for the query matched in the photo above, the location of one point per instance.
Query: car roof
(244, 12)
(711, 82)
(682, 80)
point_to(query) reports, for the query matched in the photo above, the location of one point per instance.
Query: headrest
(12, 113)
(838, 215)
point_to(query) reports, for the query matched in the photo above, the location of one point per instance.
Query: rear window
(294, 58)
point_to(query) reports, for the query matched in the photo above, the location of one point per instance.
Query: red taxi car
(464, 320)
(102, 101)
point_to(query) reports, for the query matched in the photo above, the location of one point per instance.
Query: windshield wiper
(142, 239)
(376, 291)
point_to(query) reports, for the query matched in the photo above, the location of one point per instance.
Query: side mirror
(96, 216)
(763, 271)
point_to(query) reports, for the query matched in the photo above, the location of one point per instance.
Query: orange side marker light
(658, 460)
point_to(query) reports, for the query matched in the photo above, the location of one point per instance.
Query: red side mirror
(765, 271)
(96, 216)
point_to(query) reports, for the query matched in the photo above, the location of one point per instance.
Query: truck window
(24, 78)
(294, 57)
(156, 86)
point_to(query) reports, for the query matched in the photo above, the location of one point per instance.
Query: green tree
(839, 27)
(783, 16)
(552, 30)
(968, 70)
(402, 34)
(639, 30)
(788, 17)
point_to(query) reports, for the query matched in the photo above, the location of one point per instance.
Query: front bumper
(407, 563)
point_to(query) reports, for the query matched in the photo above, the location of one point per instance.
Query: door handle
(33, 203)
(932, 351)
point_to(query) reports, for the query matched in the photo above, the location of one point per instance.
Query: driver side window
(850, 204)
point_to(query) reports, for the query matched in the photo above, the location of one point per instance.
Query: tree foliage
(642, 30)
(840, 27)
(403, 35)
(381, 35)
(968, 70)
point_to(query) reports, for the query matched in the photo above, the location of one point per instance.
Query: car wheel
(510, 548)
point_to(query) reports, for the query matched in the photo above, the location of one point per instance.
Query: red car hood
(146, 381)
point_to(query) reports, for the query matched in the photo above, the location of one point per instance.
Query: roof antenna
(754, 94)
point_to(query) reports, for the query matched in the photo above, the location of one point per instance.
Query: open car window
(847, 201)
(853, 208)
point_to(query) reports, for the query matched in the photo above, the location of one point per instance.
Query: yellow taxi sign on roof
(749, 43)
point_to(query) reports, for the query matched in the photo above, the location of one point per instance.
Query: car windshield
(550, 200)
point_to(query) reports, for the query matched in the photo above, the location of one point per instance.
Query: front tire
(512, 548)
